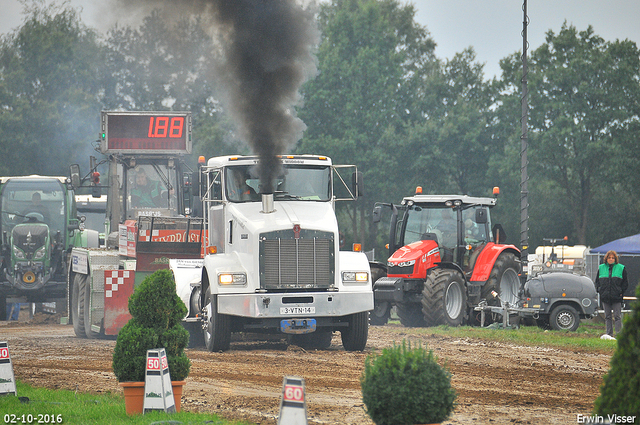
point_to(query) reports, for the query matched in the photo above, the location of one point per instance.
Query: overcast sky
(492, 27)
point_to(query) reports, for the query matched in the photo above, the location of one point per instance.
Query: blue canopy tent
(628, 250)
(628, 245)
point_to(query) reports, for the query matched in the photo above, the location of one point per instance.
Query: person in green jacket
(611, 283)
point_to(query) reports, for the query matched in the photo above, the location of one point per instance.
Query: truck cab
(272, 260)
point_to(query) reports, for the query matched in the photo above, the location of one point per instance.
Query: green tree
(49, 90)
(373, 60)
(168, 65)
(583, 97)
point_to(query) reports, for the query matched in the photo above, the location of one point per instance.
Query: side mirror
(377, 214)
(357, 183)
(74, 173)
(481, 216)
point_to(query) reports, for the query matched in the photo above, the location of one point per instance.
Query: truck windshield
(296, 183)
(40, 200)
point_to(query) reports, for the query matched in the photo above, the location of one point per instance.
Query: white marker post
(158, 393)
(293, 406)
(7, 379)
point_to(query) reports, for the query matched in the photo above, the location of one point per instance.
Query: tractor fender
(487, 258)
(453, 266)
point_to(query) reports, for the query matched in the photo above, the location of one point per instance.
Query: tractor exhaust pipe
(267, 203)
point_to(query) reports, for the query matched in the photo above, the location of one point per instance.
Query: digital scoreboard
(151, 132)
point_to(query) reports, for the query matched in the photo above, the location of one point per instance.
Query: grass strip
(46, 406)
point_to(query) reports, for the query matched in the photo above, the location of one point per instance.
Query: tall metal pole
(524, 203)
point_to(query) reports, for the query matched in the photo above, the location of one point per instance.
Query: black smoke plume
(267, 54)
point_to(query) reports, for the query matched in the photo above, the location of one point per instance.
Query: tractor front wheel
(444, 298)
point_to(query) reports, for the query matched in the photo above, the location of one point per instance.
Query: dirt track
(496, 383)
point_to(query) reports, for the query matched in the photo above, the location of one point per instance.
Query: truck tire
(444, 298)
(354, 338)
(77, 306)
(318, 340)
(411, 315)
(381, 312)
(85, 288)
(504, 280)
(217, 333)
(564, 318)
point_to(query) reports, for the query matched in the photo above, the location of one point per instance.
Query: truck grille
(290, 263)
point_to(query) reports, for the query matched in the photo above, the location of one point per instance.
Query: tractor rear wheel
(444, 298)
(504, 280)
(410, 315)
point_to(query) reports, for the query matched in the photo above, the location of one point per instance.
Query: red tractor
(446, 259)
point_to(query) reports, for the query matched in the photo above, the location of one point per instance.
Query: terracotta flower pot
(134, 396)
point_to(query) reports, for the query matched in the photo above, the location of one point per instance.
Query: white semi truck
(272, 261)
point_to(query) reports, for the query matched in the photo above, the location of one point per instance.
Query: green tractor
(39, 226)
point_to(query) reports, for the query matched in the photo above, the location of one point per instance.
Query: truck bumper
(311, 304)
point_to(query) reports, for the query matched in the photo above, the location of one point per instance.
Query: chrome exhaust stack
(267, 203)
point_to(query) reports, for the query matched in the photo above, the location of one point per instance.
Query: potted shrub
(405, 385)
(157, 312)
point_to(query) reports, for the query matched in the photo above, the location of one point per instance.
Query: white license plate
(297, 310)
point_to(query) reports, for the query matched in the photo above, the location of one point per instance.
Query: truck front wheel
(217, 330)
(354, 338)
(77, 306)
(564, 318)
(444, 298)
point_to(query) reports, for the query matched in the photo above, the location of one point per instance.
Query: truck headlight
(40, 253)
(360, 277)
(18, 253)
(232, 279)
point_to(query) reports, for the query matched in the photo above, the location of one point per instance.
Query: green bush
(405, 385)
(620, 391)
(156, 323)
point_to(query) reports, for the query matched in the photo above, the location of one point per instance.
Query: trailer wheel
(444, 298)
(77, 306)
(564, 318)
(354, 338)
(504, 280)
(85, 288)
(217, 332)
(319, 340)
(411, 315)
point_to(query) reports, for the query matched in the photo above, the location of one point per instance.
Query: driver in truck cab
(147, 193)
